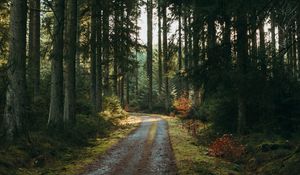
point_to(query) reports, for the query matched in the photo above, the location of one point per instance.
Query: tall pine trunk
(186, 49)
(149, 50)
(34, 48)
(93, 65)
(99, 86)
(55, 119)
(180, 49)
(160, 67)
(166, 56)
(106, 47)
(196, 51)
(70, 59)
(262, 49)
(298, 38)
(242, 56)
(15, 109)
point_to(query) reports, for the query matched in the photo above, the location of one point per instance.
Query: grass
(66, 160)
(192, 158)
(192, 154)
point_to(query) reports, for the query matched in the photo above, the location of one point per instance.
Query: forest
(214, 85)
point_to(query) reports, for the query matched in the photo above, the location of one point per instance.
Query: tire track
(147, 151)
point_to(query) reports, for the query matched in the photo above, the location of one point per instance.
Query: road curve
(147, 151)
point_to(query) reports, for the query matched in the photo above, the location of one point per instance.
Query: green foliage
(85, 129)
(112, 110)
(221, 111)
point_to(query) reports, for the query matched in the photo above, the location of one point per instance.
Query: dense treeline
(238, 61)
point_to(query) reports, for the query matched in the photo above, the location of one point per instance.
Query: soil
(146, 151)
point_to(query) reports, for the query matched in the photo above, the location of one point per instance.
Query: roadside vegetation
(73, 150)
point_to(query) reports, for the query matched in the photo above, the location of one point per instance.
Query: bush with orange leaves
(182, 105)
(227, 147)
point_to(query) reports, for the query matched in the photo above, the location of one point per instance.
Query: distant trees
(238, 63)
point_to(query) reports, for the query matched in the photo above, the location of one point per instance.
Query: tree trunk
(34, 48)
(160, 69)
(106, 47)
(70, 58)
(227, 43)
(186, 50)
(99, 87)
(196, 51)
(166, 57)
(254, 36)
(117, 38)
(136, 52)
(93, 55)
(15, 109)
(242, 56)
(149, 50)
(281, 40)
(298, 38)
(262, 49)
(180, 49)
(55, 119)
(78, 52)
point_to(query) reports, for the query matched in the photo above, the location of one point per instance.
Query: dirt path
(146, 151)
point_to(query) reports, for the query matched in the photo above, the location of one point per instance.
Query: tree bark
(34, 48)
(298, 38)
(166, 57)
(242, 56)
(196, 51)
(99, 85)
(262, 49)
(93, 55)
(180, 49)
(106, 47)
(55, 119)
(254, 36)
(186, 49)
(15, 109)
(149, 50)
(160, 68)
(117, 48)
(227, 43)
(70, 59)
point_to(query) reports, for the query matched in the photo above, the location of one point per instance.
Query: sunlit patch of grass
(192, 158)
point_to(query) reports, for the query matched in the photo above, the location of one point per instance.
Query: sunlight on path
(146, 151)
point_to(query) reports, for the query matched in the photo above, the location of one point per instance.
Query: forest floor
(160, 146)
(150, 144)
(53, 156)
(145, 151)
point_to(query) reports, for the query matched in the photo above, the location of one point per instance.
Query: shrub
(86, 127)
(112, 104)
(192, 126)
(226, 147)
(112, 110)
(182, 105)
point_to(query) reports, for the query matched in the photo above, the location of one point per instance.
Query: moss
(55, 155)
(192, 158)
(74, 161)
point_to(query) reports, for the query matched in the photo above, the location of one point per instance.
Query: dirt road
(146, 151)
